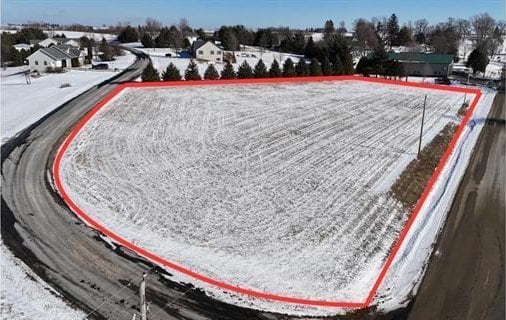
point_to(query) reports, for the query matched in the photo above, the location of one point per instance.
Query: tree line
(245, 71)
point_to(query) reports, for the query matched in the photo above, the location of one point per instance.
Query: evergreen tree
(347, 60)
(147, 41)
(326, 67)
(298, 43)
(477, 60)
(211, 73)
(260, 70)
(404, 36)
(392, 30)
(301, 68)
(315, 69)
(229, 40)
(289, 69)
(150, 73)
(16, 56)
(106, 51)
(192, 72)
(275, 70)
(128, 34)
(364, 67)
(245, 71)
(338, 66)
(162, 40)
(171, 73)
(330, 30)
(228, 72)
(379, 59)
(310, 50)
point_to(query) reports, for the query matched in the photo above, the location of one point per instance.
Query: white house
(207, 51)
(72, 42)
(44, 43)
(55, 57)
(22, 46)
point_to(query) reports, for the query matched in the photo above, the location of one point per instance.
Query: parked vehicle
(100, 66)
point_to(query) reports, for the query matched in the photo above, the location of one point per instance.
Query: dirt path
(465, 280)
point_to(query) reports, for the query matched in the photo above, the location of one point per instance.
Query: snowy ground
(78, 34)
(279, 188)
(251, 55)
(24, 296)
(22, 104)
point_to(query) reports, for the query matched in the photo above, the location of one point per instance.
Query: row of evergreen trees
(245, 71)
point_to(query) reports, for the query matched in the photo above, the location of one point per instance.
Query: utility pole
(467, 85)
(421, 128)
(142, 297)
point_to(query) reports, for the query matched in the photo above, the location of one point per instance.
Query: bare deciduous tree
(152, 26)
(483, 27)
(463, 27)
(421, 30)
(184, 27)
(380, 24)
(365, 34)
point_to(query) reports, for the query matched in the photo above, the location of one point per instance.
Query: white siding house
(55, 57)
(207, 51)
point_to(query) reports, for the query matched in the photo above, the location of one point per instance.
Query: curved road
(40, 230)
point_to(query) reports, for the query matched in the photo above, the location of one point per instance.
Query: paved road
(466, 280)
(39, 229)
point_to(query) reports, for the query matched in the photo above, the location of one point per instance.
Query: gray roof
(198, 43)
(72, 51)
(61, 52)
(54, 53)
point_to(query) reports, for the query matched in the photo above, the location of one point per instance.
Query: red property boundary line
(227, 286)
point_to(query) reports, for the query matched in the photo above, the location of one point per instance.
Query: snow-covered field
(280, 188)
(251, 55)
(23, 104)
(78, 34)
(24, 296)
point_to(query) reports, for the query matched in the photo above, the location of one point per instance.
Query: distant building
(71, 42)
(22, 46)
(55, 41)
(44, 43)
(57, 56)
(424, 64)
(207, 51)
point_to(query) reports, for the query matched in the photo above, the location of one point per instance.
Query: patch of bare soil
(409, 186)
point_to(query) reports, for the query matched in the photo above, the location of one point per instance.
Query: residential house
(424, 64)
(57, 56)
(22, 46)
(207, 51)
(71, 42)
(44, 43)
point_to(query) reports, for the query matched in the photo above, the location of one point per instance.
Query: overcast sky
(258, 13)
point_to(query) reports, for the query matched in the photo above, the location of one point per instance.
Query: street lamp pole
(421, 128)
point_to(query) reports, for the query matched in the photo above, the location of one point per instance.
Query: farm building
(61, 56)
(424, 64)
(207, 50)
